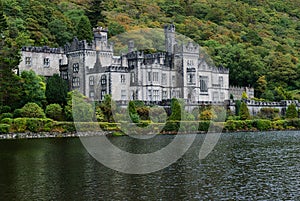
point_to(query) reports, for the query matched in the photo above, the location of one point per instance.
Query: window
(132, 78)
(164, 95)
(191, 78)
(123, 95)
(149, 95)
(222, 96)
(46, 62)
(156, 95)
(103, 93)
(28, 61)
(75, 68)
(164, 79)
(149, 76)
(203, 84)
(103, 80)
(92, 94)
(221, 82)
(122, 78)
(64, 75)
(92, 81)
(173, 80)
(155, 76)
(76, 82)
(215, 96)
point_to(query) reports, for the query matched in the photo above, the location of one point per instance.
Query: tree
(291, 112)
(84, 29)
(77, 108)
(176, 110)
(244, 112)
(108, 106)
(133, 112)
(94, 13)
(33, 87)
(56, 90)
(261, 86)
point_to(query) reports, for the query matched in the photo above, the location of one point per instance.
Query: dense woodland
(258, 40)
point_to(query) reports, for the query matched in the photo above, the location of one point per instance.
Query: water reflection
(243, 166)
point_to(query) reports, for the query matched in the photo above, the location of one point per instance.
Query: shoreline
(47, 135)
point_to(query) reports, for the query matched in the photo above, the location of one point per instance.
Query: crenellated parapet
(44, 49)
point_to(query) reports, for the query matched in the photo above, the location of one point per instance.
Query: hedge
(4, 128)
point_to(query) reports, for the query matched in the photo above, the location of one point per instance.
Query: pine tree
(176, 110)
(84, 29)
(244, 112)
(291, 112)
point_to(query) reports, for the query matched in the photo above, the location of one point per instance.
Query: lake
(242, 166)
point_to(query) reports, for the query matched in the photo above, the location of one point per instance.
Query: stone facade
(238, 91)
(94, 70)
(178, 72)
(43, 61)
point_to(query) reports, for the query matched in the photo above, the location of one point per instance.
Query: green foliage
(176, 109)
(268, 113)
(6, 115)
(56, 90)
(244, 95)
(19, 125)
(84, 29)
(33, 88)
(291, 112)
(133, 113)
(4, 128)
(32, 110)
(244, 112)
(17, 113)
(207, 115)
(107, 106)
(7, 121)
(263, 124)
(237, 107)
(54, 111)
(77, 108)
(5, 109)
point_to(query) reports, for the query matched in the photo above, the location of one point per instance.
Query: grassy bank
(36, 125)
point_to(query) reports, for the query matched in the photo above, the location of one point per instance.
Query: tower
(170, 38)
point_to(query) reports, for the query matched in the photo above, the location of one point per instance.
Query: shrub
(268, 113)
(17, 113)
(4, 128)
(5, 109)
(32, 110)
(207, 115)
(204, 125)
(6, 115)
(294, 123)
(34, 124)
(54, 111)
(171, 126)
(19, 125)
(7, 121)
(263, 124)
(279, 124)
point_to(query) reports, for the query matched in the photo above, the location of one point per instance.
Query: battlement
(169, 28)
(44, 49)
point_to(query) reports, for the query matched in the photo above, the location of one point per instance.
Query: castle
(94, 70)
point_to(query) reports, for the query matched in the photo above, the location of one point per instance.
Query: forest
(258, 40)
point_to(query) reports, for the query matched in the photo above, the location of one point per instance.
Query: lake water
(243, 166)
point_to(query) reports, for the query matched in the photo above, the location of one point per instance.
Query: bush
(268, 113)
(4, 128)
(244, 111)
(279, 124)
(19, 125)
(17, 113)
(294, 123)
(263, 124)
(7, 121)
(54, 111)
(6, 115)
(171, 126)
(5, 109)
(32, 110)
(204, 125)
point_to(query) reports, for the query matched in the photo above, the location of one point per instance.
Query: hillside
(258, 40)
